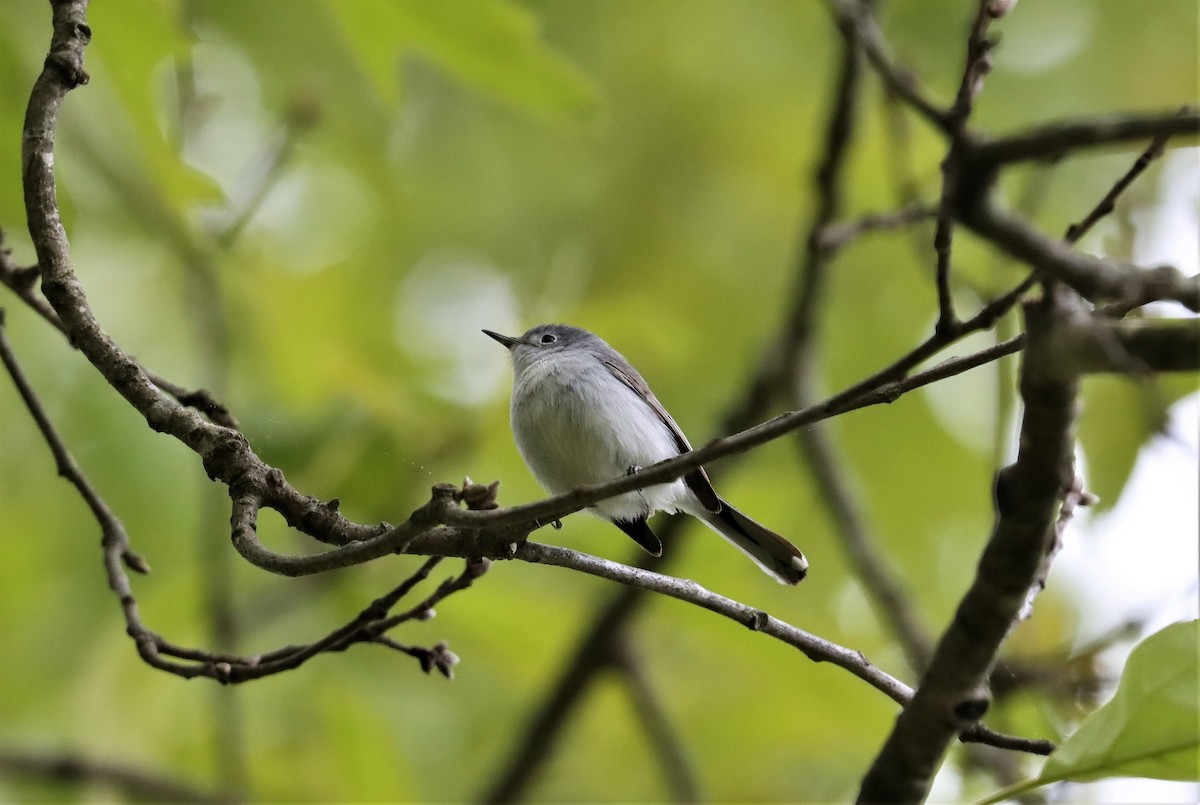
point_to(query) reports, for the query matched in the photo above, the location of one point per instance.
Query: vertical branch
(978, 63)
(953, 694)
(664, 739)
(796, 355)
(889, 601)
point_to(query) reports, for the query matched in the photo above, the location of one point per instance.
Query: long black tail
(774, 554)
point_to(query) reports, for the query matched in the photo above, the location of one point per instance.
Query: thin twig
(899, 80)
(815, 648)
(369, 626)
(115, 540)
(836, 235)
(978, 63)
(1107, 204)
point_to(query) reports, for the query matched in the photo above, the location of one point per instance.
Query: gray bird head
(548, 341)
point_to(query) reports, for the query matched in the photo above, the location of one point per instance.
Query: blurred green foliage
(637, 168)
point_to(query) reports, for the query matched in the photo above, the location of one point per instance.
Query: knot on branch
(972, 709)
(443, 497)
(222, 453)
(1165, 282)
(757, 620)
(66, 54)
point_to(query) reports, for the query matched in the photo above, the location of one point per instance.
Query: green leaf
(1120, 417)
(492, 45)
(1150, 728)
(135, 40)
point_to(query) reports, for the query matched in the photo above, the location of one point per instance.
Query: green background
(637, 168)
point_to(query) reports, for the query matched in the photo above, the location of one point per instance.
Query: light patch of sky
(1168, 229)
(1044, 35)
(1141, 558)
(1141, 561)
(314, 216)
(443, 303)
(229, 126)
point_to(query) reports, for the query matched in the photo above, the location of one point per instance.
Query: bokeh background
(313, 207)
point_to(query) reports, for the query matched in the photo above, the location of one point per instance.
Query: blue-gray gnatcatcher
(581, 414)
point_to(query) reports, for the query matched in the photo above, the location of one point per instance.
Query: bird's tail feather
(774, 554)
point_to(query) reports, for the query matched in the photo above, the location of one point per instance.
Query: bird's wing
(697, 479)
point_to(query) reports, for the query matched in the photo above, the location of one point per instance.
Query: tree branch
(665, 741)
(1094, 278)
(978, 64)
(115, 540)
(1053, 140)
(899, 80)
(440, 527)
(68, 767)
(494, 533)
(815, 648)
(1107, 204)
(953, 693)
(836, 235)
(370, 626)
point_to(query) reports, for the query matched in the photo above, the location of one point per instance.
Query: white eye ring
(548, 338)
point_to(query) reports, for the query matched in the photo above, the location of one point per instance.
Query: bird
(582, 414)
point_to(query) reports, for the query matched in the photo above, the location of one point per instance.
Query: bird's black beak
(507, 341)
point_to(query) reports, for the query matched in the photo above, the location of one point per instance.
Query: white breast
(576, 424)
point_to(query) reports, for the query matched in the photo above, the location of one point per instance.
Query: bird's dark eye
(548, 338)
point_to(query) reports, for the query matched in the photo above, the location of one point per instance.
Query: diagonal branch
(114, 538)
(899, 80)
(666, 742)
(978, 64)
(815, 648)
(138, 784)
(497, 533)
(1107, 204)
(1093, 278)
